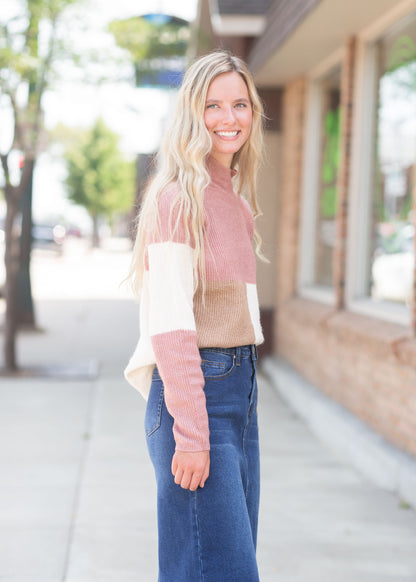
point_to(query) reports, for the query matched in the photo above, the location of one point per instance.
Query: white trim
(321, 294)
(238, 25)
(361, 179)
(310, 186)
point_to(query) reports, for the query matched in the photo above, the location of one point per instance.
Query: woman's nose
(229, 115)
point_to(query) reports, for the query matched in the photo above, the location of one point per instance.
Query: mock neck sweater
(175, 322)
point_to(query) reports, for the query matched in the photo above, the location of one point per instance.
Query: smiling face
(228, 116)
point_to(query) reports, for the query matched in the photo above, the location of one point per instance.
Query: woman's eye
(212, 106)
(241, 105)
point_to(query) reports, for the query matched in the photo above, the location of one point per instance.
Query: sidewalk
(77, 494)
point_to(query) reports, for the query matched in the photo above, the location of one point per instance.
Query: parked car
(48, 236)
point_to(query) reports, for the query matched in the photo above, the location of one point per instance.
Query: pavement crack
(80, 478)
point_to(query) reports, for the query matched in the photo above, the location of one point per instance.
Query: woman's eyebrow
(242, 99)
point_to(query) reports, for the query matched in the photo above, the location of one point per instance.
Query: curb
(383, 464)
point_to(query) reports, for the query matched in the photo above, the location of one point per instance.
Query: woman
(194, 267)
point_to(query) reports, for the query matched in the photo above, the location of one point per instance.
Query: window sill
(322, 294)
(383, 310)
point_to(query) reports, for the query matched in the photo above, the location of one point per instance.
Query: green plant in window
(330, 163)
(403, 52)
(401, 64)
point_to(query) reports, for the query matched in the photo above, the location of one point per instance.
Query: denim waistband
(238, 351)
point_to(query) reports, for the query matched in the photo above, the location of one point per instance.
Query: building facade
(338, 193)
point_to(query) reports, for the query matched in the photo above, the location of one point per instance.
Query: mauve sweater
(174, 321)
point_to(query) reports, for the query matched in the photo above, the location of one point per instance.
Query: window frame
(306, 286)
(362, 169)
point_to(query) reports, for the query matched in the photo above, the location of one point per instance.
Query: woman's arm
(174, 341)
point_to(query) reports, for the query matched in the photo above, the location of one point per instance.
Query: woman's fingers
(205, 475)
(178, 476)
(186, 479)
(195, 481)
(190, 470)
(174, 465)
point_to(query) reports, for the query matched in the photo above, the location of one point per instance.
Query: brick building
(338, 192)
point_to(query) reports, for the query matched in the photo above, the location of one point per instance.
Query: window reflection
(392, 234)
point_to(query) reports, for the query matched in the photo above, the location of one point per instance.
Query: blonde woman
(194, 267)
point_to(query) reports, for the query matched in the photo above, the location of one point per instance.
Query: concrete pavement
(77, 495)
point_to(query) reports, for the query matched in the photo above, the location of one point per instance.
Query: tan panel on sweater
(224, 321)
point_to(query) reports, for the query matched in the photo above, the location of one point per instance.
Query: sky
(137, 115)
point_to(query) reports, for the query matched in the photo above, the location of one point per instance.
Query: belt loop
(237, 355)
(254, 351)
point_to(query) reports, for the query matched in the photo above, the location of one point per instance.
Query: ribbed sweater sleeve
(173, 331)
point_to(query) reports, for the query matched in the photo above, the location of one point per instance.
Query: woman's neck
(220, 175)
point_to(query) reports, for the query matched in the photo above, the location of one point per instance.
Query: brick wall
(366, 364)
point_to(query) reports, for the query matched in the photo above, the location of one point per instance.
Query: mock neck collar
(220, 175)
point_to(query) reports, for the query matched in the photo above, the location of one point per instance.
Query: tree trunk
(25, 311)
(95, 231)
(11, 262)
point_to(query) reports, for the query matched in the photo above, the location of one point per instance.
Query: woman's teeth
(227, 133)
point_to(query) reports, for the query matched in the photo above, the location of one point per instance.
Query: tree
(98, 177)
(29, 44)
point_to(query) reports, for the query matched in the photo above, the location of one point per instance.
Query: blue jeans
(210, 535)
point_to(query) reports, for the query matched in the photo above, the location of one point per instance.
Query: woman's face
(228, 116)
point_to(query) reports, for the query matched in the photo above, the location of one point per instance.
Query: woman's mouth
(227, 134)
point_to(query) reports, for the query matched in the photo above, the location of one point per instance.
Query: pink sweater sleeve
(173, 332)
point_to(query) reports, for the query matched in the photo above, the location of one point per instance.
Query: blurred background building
(337, 191)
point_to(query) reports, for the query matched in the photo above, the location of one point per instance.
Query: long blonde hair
(182, 160)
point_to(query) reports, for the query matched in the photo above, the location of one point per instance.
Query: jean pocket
(216, 365)
(153, 416)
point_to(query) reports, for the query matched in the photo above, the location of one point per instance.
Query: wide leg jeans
(210, 535)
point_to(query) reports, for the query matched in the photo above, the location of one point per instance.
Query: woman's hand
(190, 470)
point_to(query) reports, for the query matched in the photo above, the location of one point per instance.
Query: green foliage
(401, 53)
(29, 44)
(145, 40)
(150, 45)
(98, 177)
(330, 163)
(28, 41)
(401, 64)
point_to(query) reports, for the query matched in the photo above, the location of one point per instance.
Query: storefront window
(327, 178)
(392, 225)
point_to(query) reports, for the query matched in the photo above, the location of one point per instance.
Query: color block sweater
(174, 321)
